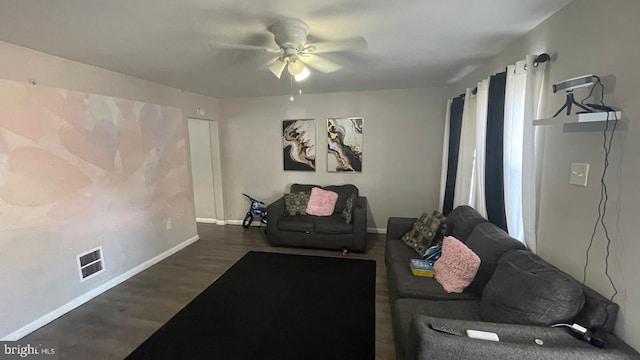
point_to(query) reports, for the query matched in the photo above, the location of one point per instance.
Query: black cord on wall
(604, 196)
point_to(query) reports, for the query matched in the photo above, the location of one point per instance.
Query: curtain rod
(542, 58)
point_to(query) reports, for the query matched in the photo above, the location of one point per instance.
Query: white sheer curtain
(469, 187)
(445, 155)
(522, 146)
(523, 104)
(464, 194)
(534, 108)
(482, 103)
(513, 145)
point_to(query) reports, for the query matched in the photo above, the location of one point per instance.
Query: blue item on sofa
(433, 253)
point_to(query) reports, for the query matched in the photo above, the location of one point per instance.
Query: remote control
(483, 335)
(446, 330)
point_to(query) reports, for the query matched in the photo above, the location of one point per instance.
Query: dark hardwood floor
(113, 324)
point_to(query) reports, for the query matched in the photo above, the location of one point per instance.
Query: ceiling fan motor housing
(290, 33)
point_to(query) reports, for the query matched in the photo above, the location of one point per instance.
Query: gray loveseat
(510, 281)
(323, 232)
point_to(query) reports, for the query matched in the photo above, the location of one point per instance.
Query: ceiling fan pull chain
(291, 98)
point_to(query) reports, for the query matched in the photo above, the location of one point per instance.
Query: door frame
(216, 169)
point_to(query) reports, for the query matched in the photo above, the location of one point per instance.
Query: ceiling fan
(295, 54)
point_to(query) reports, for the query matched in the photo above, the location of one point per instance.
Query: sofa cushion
(432, 230)
(300, 223)
(446, 229)
(403, 284)
(343, 191)
(333, 224)
(454, 309)
(489, 242)
(464, 219)
(423, 232)
(302, 187)
(397, 251)
(456, 267)
(295, 203)
(321, 202)
(525, 289)
(414, 238)
(347, 213)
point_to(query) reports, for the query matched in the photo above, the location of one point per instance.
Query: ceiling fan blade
(223, 45)
(356, 43)
(277, 67)
(321, 64)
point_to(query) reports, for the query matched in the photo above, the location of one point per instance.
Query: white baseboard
(206, 220)
(239, 222)
(210, 221)
(377, 230)
(38, 323)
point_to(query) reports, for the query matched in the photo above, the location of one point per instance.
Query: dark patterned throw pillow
(347, 213)
(296, 203)
(424, 230)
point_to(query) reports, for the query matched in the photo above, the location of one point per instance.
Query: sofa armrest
(275, 211)
(276, 207)
(360, 224)
(398, 226)
(361, 204)
(516, 342)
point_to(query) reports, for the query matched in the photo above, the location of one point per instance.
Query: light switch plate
(579, 174)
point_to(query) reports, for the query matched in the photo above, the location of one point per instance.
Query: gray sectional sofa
(515, 294)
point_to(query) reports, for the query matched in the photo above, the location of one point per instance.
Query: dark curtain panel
(455, 128)
(494, 175)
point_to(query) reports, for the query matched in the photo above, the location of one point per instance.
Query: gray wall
(602, 38)
(403, 131)
(37, 263)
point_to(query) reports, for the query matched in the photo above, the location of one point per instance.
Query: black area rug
(276, 306)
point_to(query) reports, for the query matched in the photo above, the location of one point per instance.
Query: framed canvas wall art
(299, 144)
(344, 144)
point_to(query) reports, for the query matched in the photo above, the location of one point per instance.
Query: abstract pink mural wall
(102, 163)
(78, 171)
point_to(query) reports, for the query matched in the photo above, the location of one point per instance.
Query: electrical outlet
(167, 223)
(579, 174)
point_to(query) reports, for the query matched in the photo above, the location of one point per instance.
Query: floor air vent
(90, 263)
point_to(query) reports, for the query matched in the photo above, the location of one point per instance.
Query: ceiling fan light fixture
(277, 67)
(295, 66)
(303, 75)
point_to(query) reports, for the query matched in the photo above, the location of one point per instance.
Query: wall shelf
(595, 117)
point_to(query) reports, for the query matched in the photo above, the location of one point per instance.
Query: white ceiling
(411, 43)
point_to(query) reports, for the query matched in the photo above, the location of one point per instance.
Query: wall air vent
(90, 263)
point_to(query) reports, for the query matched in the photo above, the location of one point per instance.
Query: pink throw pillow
(457, 266)
(321, 202)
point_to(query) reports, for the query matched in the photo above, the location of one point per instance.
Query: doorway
(206, 170)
